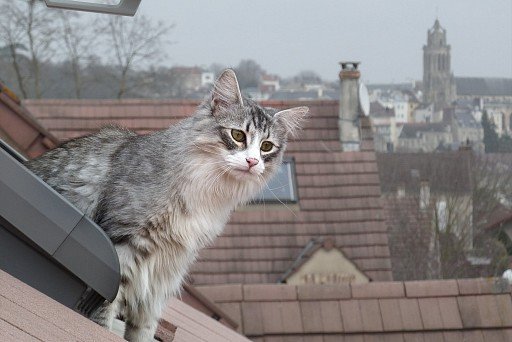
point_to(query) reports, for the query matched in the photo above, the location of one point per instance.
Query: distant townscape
(440, 112)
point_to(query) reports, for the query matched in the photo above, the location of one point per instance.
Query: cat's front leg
(106, 313)
(141, 324)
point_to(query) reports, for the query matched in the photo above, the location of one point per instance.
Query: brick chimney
(349, 111)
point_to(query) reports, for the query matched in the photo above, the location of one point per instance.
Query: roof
(413, 130)
(466, 119)
(194, 298)
(483, 86)
(446, 172)
(20, 129)
(377, 110)
(190, 325)
(339, 191)
(294, 95)
(28, 315)
(440, 310)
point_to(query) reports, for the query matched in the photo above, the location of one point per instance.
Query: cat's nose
(252, 161)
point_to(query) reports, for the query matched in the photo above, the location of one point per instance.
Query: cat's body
(163, 196)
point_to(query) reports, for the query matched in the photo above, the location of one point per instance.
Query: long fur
(163, 196)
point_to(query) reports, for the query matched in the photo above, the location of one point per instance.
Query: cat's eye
(238, 135)
(266, 146)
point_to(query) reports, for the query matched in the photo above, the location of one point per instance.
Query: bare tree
(30, 25)
(131, 42)
(77, 38)
(445, 234)
(248, 73)
(307, 77)
(12, 34)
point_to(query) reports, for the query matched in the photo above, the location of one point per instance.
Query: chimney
(349, 110)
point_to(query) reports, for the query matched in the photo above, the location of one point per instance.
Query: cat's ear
(292, 119)
(226, 91)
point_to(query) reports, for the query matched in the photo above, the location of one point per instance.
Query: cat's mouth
(243, 172)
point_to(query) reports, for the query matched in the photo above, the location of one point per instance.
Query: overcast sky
(387, 36)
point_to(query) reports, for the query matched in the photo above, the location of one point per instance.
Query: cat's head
(246, 141)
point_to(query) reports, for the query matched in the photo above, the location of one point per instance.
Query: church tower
(438, 81)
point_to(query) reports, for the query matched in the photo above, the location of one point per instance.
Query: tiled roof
(28, 315)
(377, 110)
(466, 119)
(484, 86)
(200, 302)
(339, 191)
(192, 325)
(412, 130)
(20, 129)
(442, 310)
(446, 172)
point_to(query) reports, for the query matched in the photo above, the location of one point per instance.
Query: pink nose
(252, 161)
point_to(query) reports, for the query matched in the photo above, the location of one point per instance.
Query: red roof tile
(339, 191)
(371, 313)
(26, 314)
(192, 325)
(20, 129)
(431, 288)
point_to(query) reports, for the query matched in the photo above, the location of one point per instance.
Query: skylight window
(282, 187)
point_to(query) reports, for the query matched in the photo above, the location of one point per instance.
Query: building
(439, 85)
(466, 129)
(269, 84)
(424, 137)
(400, 104)
(453, 127)
(494, 95)
(384, 127)
(189, 82)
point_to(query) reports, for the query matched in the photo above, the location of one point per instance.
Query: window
(281, 188)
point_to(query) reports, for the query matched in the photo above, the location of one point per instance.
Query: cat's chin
(243, 174)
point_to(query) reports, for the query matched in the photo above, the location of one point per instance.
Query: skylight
(282, 187)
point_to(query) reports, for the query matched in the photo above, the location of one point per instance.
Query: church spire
(438, 81)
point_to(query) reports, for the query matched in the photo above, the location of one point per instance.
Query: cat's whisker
(205, 150)
(277, 198)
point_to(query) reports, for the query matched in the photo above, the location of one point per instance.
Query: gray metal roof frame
(35, 213)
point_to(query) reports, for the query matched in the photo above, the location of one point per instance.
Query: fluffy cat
(163, 196)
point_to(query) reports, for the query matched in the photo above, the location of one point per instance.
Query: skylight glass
(282, 187)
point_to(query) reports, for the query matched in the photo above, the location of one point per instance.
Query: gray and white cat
(163, 196)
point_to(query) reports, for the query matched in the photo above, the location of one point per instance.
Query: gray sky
(287, 36)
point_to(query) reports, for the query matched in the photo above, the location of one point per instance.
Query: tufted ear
(292, 119)
(226, 92)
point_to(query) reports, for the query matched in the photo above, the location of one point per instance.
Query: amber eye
(238, 135)
(266, 146)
